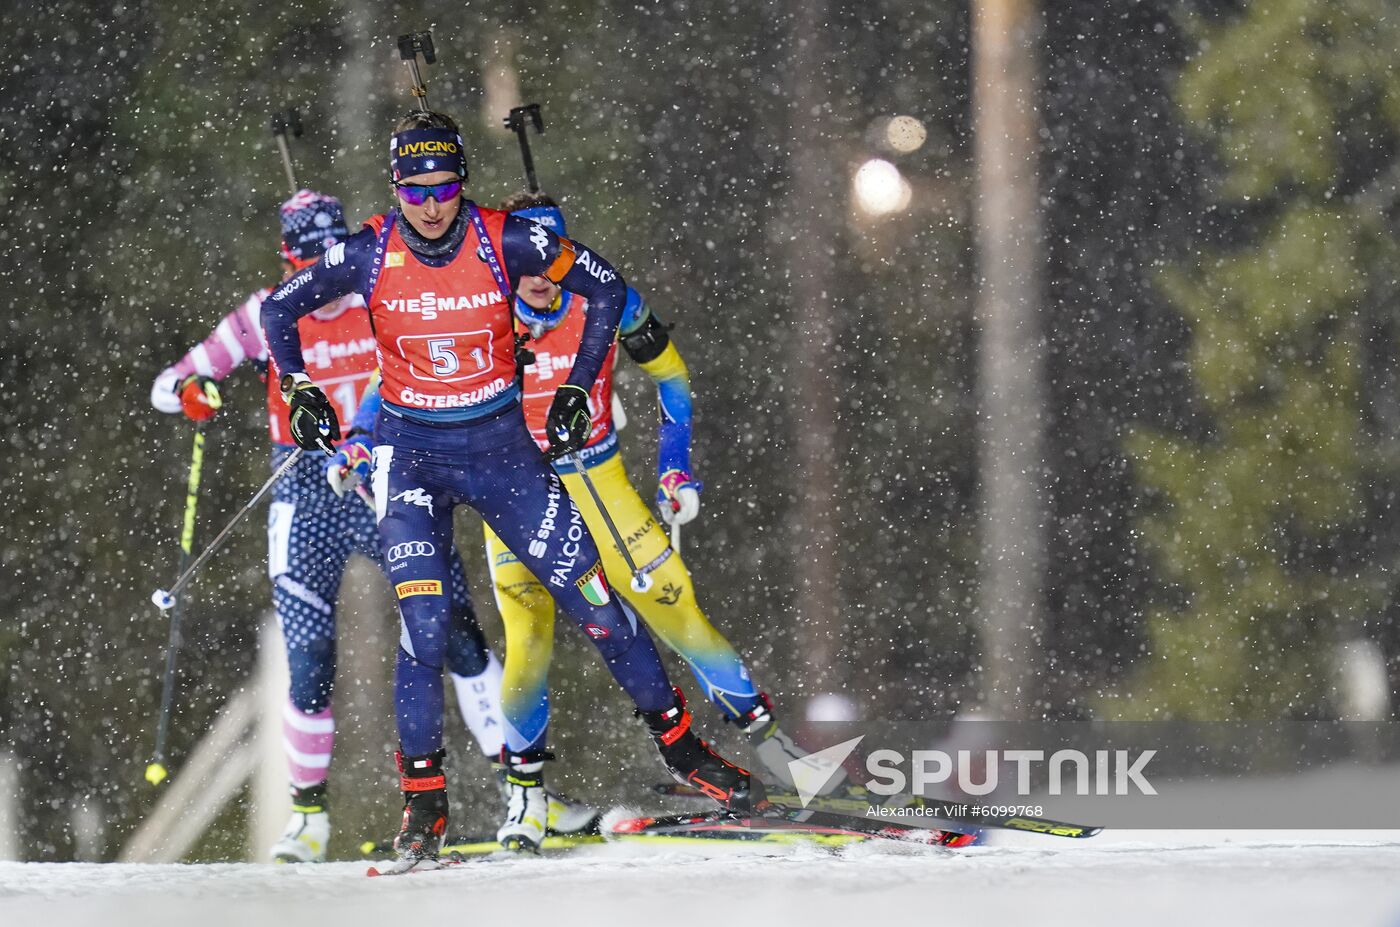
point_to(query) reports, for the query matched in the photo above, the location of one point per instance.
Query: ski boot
(309, 830)
(691, 761)
(425, 809)
(527, 806)
(566, 815)
(784, 760)
(571, 816)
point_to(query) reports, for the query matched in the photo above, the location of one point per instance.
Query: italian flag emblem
(593, 586)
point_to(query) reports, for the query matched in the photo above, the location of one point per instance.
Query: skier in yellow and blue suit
(555, 318)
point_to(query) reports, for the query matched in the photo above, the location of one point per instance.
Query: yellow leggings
(668, 607)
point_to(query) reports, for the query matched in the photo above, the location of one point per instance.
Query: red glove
(199, 398)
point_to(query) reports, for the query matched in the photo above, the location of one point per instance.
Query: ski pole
(165, 599)
(515, 121)
(411, 45)
(641, 582)
(282, 122)
(169, 600)
(676, 536)
(155, 772)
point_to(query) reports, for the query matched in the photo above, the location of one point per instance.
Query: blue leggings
(421, 473)
(311, 533)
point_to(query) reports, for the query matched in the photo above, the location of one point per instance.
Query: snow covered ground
(1138, 879)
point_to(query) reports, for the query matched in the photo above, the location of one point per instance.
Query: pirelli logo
(418, 587)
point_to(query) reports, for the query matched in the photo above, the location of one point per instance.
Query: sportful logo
(538, 546)
(540, 239)
(411, 549)
(429, 304)
(336, 255)
(595, 267)
(416, 496)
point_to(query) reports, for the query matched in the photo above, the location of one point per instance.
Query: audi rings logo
(411, 549)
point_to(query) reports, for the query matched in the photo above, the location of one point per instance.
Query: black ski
(958, 813)
(775, 822)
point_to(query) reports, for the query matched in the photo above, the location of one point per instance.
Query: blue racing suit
(476, 450)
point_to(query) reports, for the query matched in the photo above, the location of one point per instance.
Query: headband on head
(311, 223)
(426, 151)
(551, 217)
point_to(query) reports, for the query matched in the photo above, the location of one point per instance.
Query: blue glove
(349, 466)
(678, 497)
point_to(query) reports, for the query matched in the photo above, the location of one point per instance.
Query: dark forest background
(1218, 194)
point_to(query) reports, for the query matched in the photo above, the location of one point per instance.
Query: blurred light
(880, 189)
(905, 133)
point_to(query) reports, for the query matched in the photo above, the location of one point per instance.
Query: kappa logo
(411, 549)
(393, 259)
(418, 587)
(540, 239)
(415, 496)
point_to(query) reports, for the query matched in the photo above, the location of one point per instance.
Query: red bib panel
(445, 335)
(555, 352)
(339, 355)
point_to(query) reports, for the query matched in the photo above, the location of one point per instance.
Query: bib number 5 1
(444, 358)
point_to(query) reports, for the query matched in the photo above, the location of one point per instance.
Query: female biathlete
(312, 532)
(436, 274)
(556, 318)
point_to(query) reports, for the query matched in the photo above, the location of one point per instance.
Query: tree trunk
(1011, 381)
(813, 222)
